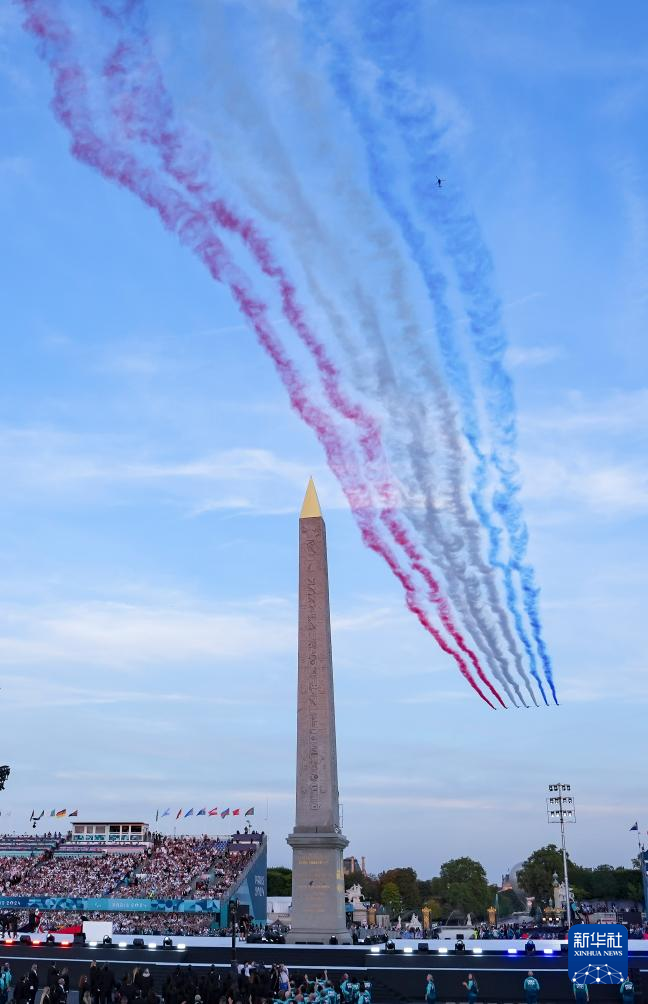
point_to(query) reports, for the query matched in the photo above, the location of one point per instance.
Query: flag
(213, 812)
(179, 813)
(236, 812)
(75, 813)
(224, 813)
(166, 813)
(201, 812)
(635, 827)
(53, 812)
(250, 812)
(61, 812)
(189, 812)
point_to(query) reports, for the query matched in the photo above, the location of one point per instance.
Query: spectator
(33, 983)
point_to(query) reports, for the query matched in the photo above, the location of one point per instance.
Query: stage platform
(398, 976)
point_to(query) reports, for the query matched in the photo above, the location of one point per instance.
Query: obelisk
(318, 911)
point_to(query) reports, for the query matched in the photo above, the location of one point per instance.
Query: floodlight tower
(561, 809)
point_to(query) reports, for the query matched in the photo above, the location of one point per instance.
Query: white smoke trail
(279, 197)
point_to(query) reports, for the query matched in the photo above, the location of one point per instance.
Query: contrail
(310, 234)
(392, 35)
(381, 171)
(147, 113)
(195, 230)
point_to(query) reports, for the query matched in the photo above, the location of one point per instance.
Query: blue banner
(598, 953)
(85, 904)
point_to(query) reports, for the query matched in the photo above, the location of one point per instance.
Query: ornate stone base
(317, 889)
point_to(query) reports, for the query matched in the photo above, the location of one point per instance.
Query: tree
(391, 898)
(464, 887)
(536, 874)
(509, 902)
(407, 884)
(279, 882)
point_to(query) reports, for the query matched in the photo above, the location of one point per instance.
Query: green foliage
(536, 875)
(604, 883)
(509, 902)
(391, 898)
(407, 884)
(279, 882)
(464, 887)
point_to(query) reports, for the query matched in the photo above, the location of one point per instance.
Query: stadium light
(92, 944)
(476, 951)
(123, 944)
(561, 809)
(443, 951)
(152, 944)
(375, 949)
(36, 942)
(511, 951)
(65, 944)
(547, 951)
(181, 948)
(408, 950)
(8, 941)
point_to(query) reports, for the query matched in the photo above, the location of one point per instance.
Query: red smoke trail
(194, 230)
(416, 558)
(145, 111)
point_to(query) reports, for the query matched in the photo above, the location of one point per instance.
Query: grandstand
(141, 881)
(26, 845)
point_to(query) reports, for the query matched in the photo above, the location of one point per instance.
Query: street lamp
(561, 809)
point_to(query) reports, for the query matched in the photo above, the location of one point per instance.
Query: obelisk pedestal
(318, 911)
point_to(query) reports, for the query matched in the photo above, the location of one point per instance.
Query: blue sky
(153, 469)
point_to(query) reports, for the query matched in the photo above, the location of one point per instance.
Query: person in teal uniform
(531, 989)
(430, 989)
(364, 993)
(472, 988)
(581, 993)
(627, 991)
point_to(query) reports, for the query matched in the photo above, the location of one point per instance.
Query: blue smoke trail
(392, 35)
(317, 12)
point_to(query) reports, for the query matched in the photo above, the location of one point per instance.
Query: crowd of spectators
(174, 868)
(99, 875)
(184, 924)
(11, 872)
(168, 868)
